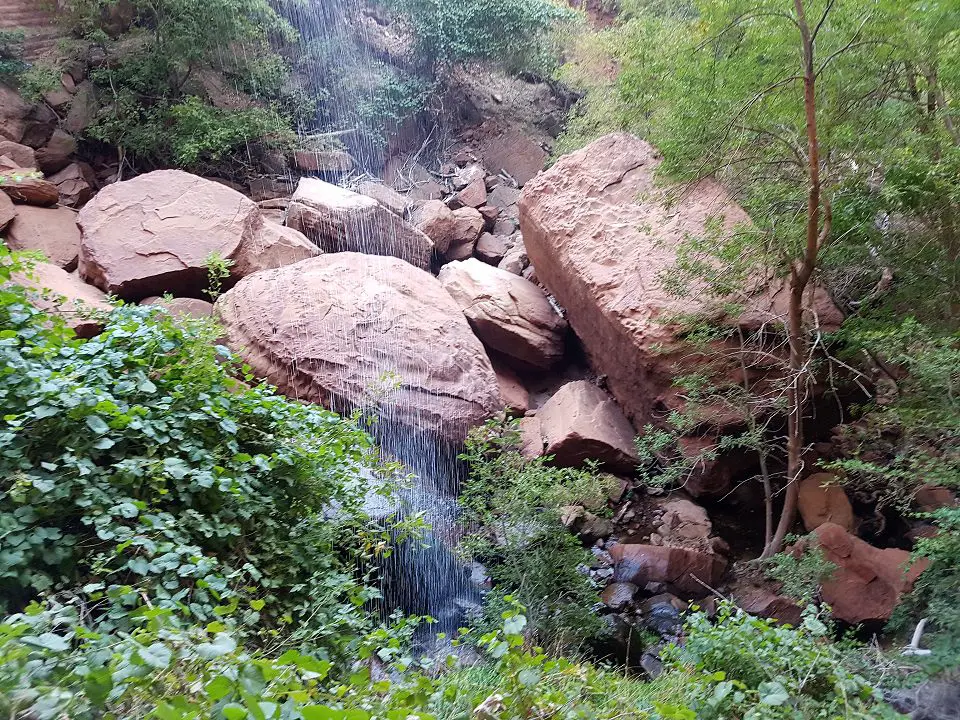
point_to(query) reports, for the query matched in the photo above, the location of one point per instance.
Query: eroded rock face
(674, 567)
(54, 290)
(52, 231)
(351, 330)
(868, 581)
(339, 220)
(514, 395)
(581, 422)
(155, 233)
(508, 314)
(76, 183)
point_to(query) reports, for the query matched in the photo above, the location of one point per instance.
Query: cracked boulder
(340, 220)
(509, 314)
(156, 233)
(350, 330)
(602, 232)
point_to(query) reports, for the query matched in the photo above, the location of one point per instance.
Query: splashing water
(421, 577)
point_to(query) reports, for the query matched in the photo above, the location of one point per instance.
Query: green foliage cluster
(54, 663)
(512, 507)
(802, 571)
(189, 82)
(747, 667)
(178, 544)
(11, 55)
(135, 469)
(512, 33)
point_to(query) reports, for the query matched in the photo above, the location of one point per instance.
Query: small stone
(617, 596)
(467, 175)
(489, 214)
(505, 226)
(474, 195)
(491, 248)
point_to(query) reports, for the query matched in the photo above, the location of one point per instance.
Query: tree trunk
(801, 272)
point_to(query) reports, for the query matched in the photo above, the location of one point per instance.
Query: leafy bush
(742, 666)
(802, 571)
(53, 663)
(173, 96)
(513, 33)
(936, 590)
(11, 53)
(512, 507)
(135, 468)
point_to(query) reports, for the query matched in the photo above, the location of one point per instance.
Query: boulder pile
(438, 300)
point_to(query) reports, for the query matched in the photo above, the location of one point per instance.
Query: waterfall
(421, 577)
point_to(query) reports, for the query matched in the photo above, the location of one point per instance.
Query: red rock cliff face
(36, 20)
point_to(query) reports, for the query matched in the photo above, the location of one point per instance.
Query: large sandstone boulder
(581, 422)
(601, 231)
(51, 231)
(822, 500)
(354, 330)
(677, 568)
(154, 234)
(58, 292)
(509, 314)
(339, 220)
(868, 581)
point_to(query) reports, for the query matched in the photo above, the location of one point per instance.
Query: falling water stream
(421, 577)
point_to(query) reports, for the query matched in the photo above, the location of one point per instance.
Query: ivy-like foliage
(134, 466)
(748, 667)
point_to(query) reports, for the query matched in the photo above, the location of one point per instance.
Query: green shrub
(167, 87)
(135, 468)
(512, 507)
(513, 33)
(746, 667)
(11, 53)
(936, 590)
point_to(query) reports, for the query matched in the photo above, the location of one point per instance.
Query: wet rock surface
(339, 220)
(347, 329)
